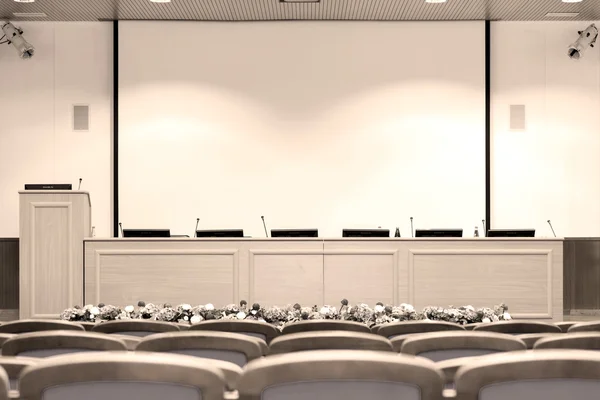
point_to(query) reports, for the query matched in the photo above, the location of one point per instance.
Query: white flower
(129, 309)
(324, 311)
(506, 316)
(261, 320)
(470, 308)
(186, 307)
(209, 307)
(95, 311)
(196, 319)
(486, 319)
(254, 312)
(241, 315)
(379, 308)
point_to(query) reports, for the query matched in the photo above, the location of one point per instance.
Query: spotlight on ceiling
(586, 39)
(13, 36)
(24, 1)
(435, 1)
(572, 1)
(160, 1)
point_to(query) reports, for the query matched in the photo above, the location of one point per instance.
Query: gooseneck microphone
(196, 230)
(412, 231)
(550, 223)
(79, 187)
(264, 225)
(483, 226)
(121, 229)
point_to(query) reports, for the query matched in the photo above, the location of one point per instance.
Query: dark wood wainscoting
(581, 276)
(9, 278)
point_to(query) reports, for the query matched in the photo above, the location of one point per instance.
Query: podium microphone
(484, 230)
(121, 229)
(196, 230)
(550, 223)
(412, 231)
(264, 225)
(79, 187)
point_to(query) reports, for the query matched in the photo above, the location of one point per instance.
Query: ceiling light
(435, 1)
(160, 1)
(562, 14)
(29, 15)
(572, 1)
(24, 1)
(13, 36)
(299, 1)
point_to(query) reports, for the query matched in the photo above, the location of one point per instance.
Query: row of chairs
(318, 375)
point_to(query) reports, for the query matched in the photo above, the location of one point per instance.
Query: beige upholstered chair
(565, 325)
(4, 337)
(130, 341)
(4, 385)
(122, 375)
(52, 343)
(13, 367)
(135, 327)
(232, 347)
(340, 374)
(88, 326)
(329, 340)
(531, 338)
(451, 366)
(440, 346)
(409, 327)
(471, 327)
(325, 325)
(36, 325)
(256, 329)
(581, 340)
(531, 375)
(592, 326)
(518, 327)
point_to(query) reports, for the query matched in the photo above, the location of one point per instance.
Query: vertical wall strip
(488, 132)
(115, 128)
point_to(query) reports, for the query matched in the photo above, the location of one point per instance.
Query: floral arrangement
(281, 316)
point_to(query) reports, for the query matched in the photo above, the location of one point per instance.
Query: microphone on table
(79, 187)
(550, 223)
(412, 231)
(484, 230)
(121, 229)
(196, 230)
(264, 225)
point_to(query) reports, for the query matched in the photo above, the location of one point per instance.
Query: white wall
(72, 65)
(312, 124)
(551, 170)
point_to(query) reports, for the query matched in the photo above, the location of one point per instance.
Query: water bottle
(476, 233)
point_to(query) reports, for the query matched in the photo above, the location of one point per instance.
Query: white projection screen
(324, 125)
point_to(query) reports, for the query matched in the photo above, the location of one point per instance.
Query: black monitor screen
(294, 233)
(366, 233)
(221, 233)
(438, 233)
(511, 233)
(146, 233)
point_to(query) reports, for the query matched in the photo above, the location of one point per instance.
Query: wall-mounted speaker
(81, 117)
(517, 117)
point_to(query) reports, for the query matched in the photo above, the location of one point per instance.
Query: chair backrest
(130, 341)
(531, 338)
(340, 374)
(14, 366)
(518, 327)
(226, 346)
(451, 366)
(471, 327)
(135, 327)
(52, 343)
(4, 385)
(122, 375)
(4, 337)
(582, 341)
(88, 326)
(325, 325)
(36, 325)
(440, 346)
(329, 340)
(261, 330)
(565, 325)
(592, 326)
(408, 327)
(531, 375)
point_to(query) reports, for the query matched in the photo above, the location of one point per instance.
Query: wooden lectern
(53, 224)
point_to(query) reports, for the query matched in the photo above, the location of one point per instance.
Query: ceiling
(270, 10)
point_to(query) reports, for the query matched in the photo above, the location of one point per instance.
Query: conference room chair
(565, 325)
(36, 325)
(398, 332)
(324, 325)
(226, 346)
(440, 346)
(470, 327)
(122, 376)
(256, 329)
(4, 337)
(52, 343)
(341, 374)
(130, 341)
(531, 338)
(329, 340)
(4, 385)
(518, 327)
(13, 367)
(184, 327)
(88, 326)
(450, 366)
(531, 375)
(578, 340)
(592, 326)
(135, 327)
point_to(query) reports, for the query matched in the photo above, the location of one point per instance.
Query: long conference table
(526, 274)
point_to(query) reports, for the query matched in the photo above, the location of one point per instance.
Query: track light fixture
(586, 39)
(13, 36)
